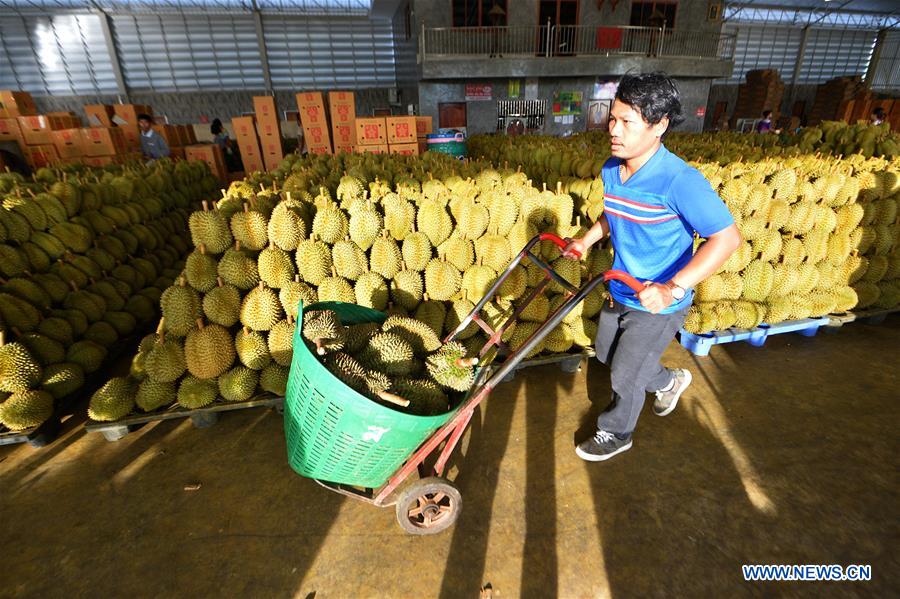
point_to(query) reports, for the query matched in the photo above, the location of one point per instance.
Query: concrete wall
(482, 116)
(405, 54)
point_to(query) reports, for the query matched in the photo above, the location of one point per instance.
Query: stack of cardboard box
(269, 131)
(401, 134)
(248, 143)
(314, 120)
(342, 110)
(762, 91)
(104, 145)
(126, 118)
(371, 135)
(423, 127)
(211, 154)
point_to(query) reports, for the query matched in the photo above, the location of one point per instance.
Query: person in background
(765, 125)
(221, 139)
(878, 115)
(153, 146)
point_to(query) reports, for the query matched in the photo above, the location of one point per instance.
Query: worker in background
(878, 115)
(153, 146)
(654, 203)
(765, 125)
(221, 139)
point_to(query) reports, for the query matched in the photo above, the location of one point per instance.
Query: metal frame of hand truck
(437, 502)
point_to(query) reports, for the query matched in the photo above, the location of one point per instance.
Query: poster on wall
(479, 92)
(604, 90)
(565, 103)
(598, 115)
(515, 88)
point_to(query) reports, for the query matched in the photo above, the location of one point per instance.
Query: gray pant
(631, 342)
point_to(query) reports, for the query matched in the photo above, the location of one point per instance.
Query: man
(654, 202)
(878, 115)
(153, 146)
(765, 125)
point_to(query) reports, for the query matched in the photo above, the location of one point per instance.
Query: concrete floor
(782, 454)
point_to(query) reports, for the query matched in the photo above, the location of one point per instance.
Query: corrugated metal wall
(886, 76)
(67, 54)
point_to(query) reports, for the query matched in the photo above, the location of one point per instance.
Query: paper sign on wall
(479, 92)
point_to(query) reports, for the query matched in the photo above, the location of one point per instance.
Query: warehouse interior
(242, 248)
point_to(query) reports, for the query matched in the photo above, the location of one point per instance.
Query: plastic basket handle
(559, 241)
(626, 278)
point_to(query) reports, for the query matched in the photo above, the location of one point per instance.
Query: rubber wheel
(428, 506)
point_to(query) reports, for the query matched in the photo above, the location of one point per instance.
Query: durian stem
(161, 326)
(200, 323)
(394, 399)
(205, 206)
(319, 349)
(466, 362)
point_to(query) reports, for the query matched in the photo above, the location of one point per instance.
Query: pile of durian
(401, 363)
(820, 237)
(414, 237)
(84, 256)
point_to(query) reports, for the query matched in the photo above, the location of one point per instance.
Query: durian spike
(394, 399)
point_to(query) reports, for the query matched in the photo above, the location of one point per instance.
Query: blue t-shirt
(652, 218)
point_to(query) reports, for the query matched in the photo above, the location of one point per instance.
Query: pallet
(46, 432)
(700, 344)
(873, 316)
(200, 417)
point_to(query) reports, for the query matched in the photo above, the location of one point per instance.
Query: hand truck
(432, 504)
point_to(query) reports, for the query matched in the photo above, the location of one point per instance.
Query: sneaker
(602, 446)
(667, 400)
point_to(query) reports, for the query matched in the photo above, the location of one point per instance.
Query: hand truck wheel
(428, 506)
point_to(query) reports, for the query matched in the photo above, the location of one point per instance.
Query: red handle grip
(626, 278)
(559, 241)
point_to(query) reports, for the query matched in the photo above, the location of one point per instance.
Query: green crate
(336, 434)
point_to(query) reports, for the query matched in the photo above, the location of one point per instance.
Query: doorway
(452, 115)
(562, 18)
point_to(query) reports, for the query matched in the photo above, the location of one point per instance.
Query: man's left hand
(655, 297)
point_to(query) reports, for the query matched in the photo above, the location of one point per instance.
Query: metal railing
(574, 40)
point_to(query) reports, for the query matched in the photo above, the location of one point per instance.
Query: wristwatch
(678, 292)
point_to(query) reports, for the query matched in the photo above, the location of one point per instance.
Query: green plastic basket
(336, 434)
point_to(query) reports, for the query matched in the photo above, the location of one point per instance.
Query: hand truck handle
(620, 275)
(559, 241)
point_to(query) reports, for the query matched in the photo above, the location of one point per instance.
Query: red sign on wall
(476, 92)
(609, 38)
(701, 112)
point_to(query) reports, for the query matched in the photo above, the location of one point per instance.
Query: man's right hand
(576, 249)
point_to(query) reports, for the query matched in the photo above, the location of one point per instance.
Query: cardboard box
(9, 130)
(373, 149)
(69, 143)
(342, 107)
(309, 99)
(127, 114)
(40, 156)
(211, 154)
(63, 120)
(251, 155)
(272, 152)
(103, 141)
(14, 104)
(323, 149)
(371, 131)
(317, 136)
(344, 149)
(410, 149)
(401, 129)
(424, 126)
(99, 115)
(269, 130)
(265, 109)
(244, 128)
(344, 134)
(35, 130)
(423, 146)
(168, 133)
(100, 160)
(312, 109)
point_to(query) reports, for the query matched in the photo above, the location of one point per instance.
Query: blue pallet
(699, 345)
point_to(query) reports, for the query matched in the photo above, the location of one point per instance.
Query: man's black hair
(654, 95)
(216, 127)
(767, 113)
(145, 117)
(879, 112)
